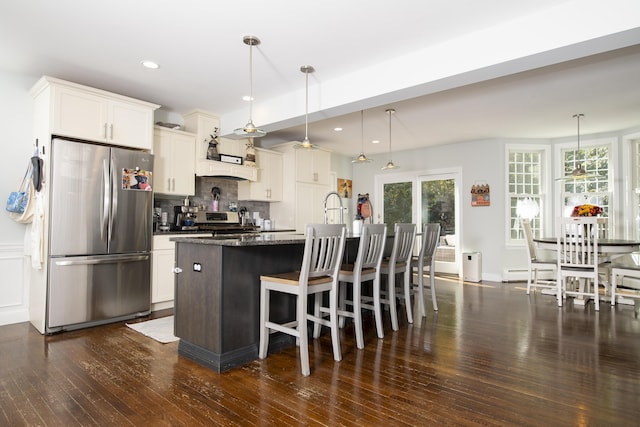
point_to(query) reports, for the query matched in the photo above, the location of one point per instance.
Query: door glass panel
(397, 203)
(438, 205)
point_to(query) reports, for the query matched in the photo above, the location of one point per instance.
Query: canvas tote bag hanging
(20, 204)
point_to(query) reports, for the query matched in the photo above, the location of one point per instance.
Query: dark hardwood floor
(491, 356)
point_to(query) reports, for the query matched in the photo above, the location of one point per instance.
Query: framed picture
(480, 195)
(344, 188)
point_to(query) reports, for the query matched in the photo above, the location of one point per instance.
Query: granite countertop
(182, 233)
(249, 239)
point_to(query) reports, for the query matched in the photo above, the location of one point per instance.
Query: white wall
(17, 146)
(481, 228)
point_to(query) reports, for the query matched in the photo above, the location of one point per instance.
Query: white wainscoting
(14, 289)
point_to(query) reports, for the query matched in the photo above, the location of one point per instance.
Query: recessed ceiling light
(338, 129)
(150, 64)
(247, 98)
(375, 141)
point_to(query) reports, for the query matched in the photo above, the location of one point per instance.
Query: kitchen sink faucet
(326, 209)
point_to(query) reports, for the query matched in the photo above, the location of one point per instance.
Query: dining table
(608, 249)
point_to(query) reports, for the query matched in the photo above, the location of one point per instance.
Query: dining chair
(323, 249)
(426, 258)
(399, 262)
(577, 252)
(366, 268)
(625, 266)
(539, 261)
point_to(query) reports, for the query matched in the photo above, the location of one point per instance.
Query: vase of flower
(586, 210)
(212, 149)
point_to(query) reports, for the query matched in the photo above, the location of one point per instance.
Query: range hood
(226, 170)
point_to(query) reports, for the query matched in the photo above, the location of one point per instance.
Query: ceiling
(450, 76)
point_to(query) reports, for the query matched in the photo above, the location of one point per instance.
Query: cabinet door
(163, 276)
(130, 125)
(163, 181)
(183, 164)
(273, 165)
(313, 166)
(79, 114)
(268, 185)
(174, 162)
(309, 204)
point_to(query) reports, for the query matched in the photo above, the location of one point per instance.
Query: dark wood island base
(217, 295)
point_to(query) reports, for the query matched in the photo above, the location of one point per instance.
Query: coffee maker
(184, 218)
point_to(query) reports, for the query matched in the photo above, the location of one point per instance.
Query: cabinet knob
(177, 270)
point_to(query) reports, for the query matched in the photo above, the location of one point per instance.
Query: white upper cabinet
(305, 183)
(95, 115)
(174, 162)
(313, 166)
(268, 185)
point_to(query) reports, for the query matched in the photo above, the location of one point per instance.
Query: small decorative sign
(231, 159)
(480, 195)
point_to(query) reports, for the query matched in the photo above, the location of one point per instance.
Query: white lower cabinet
(162, 276)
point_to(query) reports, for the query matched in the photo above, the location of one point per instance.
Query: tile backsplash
(204, 197)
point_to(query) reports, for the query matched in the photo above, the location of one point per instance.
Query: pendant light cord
(306, 106)
(251, 81)
(362, 130)
(390, 111)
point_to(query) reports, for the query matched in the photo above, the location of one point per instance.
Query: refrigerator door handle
(105, 201)
(114, 199)
(111, 259)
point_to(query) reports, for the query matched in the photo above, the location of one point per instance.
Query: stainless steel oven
(222, 223)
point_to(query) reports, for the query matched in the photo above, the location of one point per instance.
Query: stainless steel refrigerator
(100, 231)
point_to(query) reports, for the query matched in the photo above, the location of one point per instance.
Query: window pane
(524, 184)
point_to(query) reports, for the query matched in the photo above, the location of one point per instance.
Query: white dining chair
(323, 250)
(577, 252)
(625, 266)
(399, 263)
(426, 258)
(366, 268)
(539, 261)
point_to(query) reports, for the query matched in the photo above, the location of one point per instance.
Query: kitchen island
(217, 294)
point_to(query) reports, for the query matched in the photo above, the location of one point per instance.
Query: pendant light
(390, 164)
(250, 130)
(306, 144)
(579, 172)
(361, 158)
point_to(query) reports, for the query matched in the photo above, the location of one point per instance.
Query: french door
(421, 198)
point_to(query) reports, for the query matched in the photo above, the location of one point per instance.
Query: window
(594, 189)
(524, 182)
